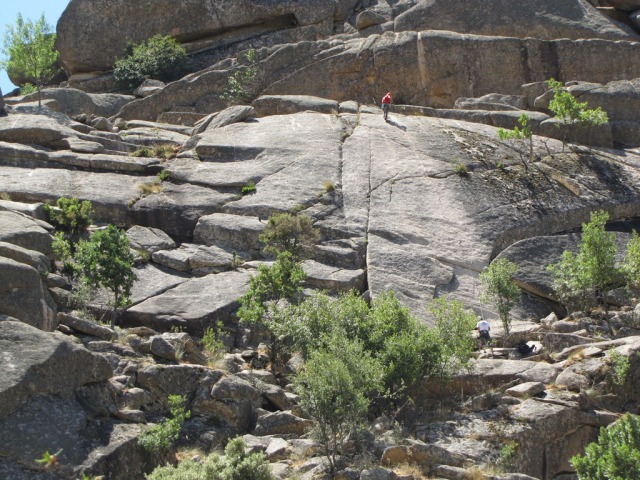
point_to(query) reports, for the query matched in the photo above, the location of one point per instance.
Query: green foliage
(72, 215)
(159, 58)
(620, 366)
(569, 111)
(500, 289)
(167, 151)
(49, 460)
(159, 438)
(453, 328)
(616, 454)
(523, 132)
(163, 175)
(234, 465)
(211, 343)
(248, 188)
(28, 89)
(29, 48)
(289, 233)
(631, 265)
(460, 168)
(580, 280)
(61, 247)
(507, 454)
(143, 152)
(242, 85)
(105, 260)
(334, 388)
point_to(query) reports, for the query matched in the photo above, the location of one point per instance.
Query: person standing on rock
(484, 337)
(386, 104)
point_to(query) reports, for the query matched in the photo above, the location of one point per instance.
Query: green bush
(289, 233)
(235, 464)
(159, 58)
(523, 133)
(159, 438)
(243, 84)
(500, 289)
(28, 89)
(248, 188)
(582, 280)
(72, 215)
(616, 454)
(631, 265)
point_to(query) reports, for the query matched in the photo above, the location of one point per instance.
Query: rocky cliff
(419, 205)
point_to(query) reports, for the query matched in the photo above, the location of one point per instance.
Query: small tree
(29, 49)
(335, 388)
(273, 283)
(289, 233)
(616, 454)
(453, 327)
(569, 111)
(159, 58)
(72, 215)
(105, 260)
(592, 272)
(159, 438)
(631, 265)
(243, 84)
(500, 289)
(525, 133)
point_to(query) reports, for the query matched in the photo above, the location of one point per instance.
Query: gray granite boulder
(37, 260)
(35, 130)
(149, 239)
(43, 364)
(267, 105)
(228, 116)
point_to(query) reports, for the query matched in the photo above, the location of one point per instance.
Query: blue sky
(31, 9)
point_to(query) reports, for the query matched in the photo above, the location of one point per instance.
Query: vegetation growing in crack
(158, 439)
(522, 133)
(500, 289)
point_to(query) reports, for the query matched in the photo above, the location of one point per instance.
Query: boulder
(24, 296)
(526, 390)
(148, 87)
(35, 130)
(371, 17)
(87, 327)
(195, 304)
(72, 101)
(572, 19)
(43, 364)
(281, 423)
(96, 45)
(165, 380)
(232, 401)
(149, 240)
(626, 5)
(267, 105)
(231, 231)
(198, 259)
(34, 259)
(228, 116)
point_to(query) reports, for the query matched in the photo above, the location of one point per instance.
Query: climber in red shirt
(386, 103)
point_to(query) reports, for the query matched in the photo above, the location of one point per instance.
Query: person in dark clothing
(386, 104)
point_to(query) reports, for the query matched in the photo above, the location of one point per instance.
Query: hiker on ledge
(386, 103)
(484, 338)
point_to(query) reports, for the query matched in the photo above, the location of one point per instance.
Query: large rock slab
(196, 304)
(267, 105)
(231, 231)
(34, 259)
(24, 231)
(72, 101)
(87, 44)
(39, 363)
(573, 19)
(35, 130)
(24, 296)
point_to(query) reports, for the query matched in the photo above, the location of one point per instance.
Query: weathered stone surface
(42, 363)
(34, 210)
(177, 208)
(72, 101)
(228, 116)
(190, 21)
(23, 295)
(152, 281)
(267, 105)
(281, 423)
(538, 18)
(34, 130)
(37, 260)
(526, 390)
(149, 239)
(198, 259)
(492, 101)
(572, 380)
(232, 231)
(195, 304)
(278, 449)
(82, 325)
(148, 87)
(556, 342)
(326, 277)
(628, 5)
(165, 380)
(232, 401)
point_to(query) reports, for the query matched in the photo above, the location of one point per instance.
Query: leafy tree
(273, 283)
(616, 454)
(592, 272)
(500, 289)
(569, 111)
(72, 215)
(105, 260)
(243, 84)
(159, 58)
(29, 48)
(335, 388)
(453, 327)
(159, 438)
(289, 233)
(235, 464)
(631, 265)
(524, 133)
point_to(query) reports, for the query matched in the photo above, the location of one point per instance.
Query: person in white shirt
(484, 337)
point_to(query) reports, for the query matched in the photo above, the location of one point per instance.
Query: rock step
(340, 256)
(332, 278)
(233, 232)
(131, 124)
(181, 118)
